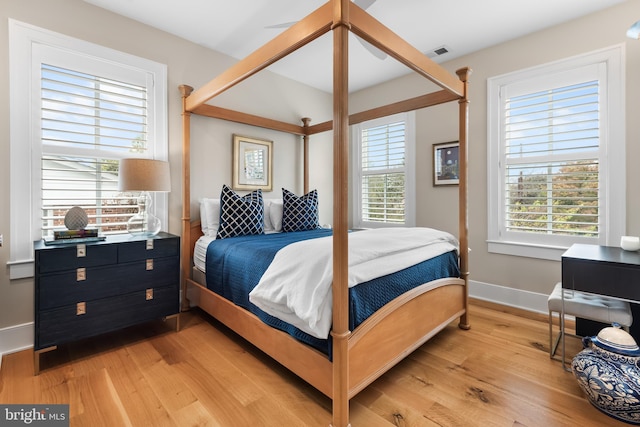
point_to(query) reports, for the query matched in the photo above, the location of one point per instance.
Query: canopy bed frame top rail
(451, 296)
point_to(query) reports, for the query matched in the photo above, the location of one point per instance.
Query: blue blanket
(235, 265)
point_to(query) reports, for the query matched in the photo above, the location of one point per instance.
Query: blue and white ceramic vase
(607, 371)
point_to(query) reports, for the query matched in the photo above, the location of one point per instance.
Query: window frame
(410, 180)
(610, 62)
(25, 43)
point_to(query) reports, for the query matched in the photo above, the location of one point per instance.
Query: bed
(264, 274)
(358, 354)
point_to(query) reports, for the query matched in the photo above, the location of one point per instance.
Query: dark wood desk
(603, 270)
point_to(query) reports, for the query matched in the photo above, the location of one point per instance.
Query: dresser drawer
(152, 273)
(147, 249)
(85, 284)
(67, 258)
(73, 322)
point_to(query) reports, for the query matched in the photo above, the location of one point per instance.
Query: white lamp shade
(144, 175)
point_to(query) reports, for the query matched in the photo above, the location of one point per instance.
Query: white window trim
(409, 118)
(614, 177)
(23, 39)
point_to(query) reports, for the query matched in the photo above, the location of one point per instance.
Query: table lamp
(144, 175)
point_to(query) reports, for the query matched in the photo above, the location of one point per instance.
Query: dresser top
(598, 253)
(116, 238)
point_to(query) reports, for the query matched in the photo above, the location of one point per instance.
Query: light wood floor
(496, 374)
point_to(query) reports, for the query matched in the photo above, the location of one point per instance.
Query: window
(383, 176)
(87, 123)
(556, 163)
(89, 107)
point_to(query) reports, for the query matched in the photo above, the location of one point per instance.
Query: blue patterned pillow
(299, 213)
(240, 215)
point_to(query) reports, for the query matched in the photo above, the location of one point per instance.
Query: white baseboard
(20, 337)
(16, 338)
(525, 300)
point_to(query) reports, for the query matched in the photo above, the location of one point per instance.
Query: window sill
(552, 253)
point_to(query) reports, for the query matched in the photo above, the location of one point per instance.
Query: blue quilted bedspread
(235, 265)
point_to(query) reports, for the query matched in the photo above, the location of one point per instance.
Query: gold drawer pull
(149, 264)
(81, 308)
(149, 294)
(149, 244)
(81, 274)
(81, 250)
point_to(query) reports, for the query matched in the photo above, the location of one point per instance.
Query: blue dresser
(86, 289)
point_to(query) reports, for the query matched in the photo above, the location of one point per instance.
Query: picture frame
(446, 163)
(252, 163)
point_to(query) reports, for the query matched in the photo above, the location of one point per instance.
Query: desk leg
(634, 329)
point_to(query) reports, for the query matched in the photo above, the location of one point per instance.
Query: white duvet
(296, 288)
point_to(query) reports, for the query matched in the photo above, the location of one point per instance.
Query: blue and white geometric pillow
(240, 215)
(299, 213)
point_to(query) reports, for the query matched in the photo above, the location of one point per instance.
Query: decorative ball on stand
(76, 219)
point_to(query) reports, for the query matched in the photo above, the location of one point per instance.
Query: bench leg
(553, 347)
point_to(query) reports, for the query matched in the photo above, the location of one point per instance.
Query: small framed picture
(446, 163)
(252, 163)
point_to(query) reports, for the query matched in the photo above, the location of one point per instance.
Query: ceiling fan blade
(374, 50)
(364, 4)
(283, 25)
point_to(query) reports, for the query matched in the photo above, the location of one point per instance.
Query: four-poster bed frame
(362, 355)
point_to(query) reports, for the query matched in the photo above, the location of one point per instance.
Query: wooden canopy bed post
(340, 329)
(305, 155)
(463, 214)
(187, 249)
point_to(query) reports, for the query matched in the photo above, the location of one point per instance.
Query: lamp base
(143, 223)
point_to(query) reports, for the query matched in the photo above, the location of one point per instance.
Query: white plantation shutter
(87, 124)
(552, 151)
(383, 173)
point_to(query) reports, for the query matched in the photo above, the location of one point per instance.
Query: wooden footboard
(378, 343)
(374, 347)
(306, 362)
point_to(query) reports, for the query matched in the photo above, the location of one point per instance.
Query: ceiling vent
(439, 51)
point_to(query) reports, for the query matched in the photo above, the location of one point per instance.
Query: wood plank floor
(496, 374)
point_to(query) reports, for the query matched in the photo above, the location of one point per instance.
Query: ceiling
(239, 27)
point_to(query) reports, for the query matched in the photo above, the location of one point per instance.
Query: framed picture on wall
(446, 163)
(252, 163)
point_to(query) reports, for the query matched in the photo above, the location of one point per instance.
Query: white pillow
(275, 214)
(210, 216)
(268, 226)
(204, 225)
